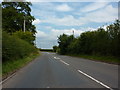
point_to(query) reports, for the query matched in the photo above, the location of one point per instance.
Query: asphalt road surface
(57, 71)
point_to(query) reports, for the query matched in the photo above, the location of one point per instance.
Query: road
(58, 71)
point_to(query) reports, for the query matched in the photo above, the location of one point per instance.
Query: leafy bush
(14, 48)
(27, 36)
(58, 50)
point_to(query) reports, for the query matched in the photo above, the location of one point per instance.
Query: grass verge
(107, 59)
(12, 66)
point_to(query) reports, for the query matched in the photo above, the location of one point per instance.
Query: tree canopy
(17, 44)
(100, 41)
(14, 14)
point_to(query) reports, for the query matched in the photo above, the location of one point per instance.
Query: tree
(114, 35)
(64, 41)
(14, 14)
(55, 48)
(86, 40)
(98, 42)
(101, 42)
(74, 47)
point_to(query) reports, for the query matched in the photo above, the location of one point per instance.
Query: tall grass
(10, 67)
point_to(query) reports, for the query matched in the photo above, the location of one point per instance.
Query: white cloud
(64, 8)
(94, 6)
(101, 12)
(43, 41)
(73, 0)
(40, 34)
(58, 32)
(108, 14)
(66, 21)
(105, 27)
(48, 27)
(36, 21)
(44, 14)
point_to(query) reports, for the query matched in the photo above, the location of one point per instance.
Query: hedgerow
(15, 48)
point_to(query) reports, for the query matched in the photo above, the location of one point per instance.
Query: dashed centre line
(64, 62)
(87, 75)
(61, 61)
(95, 80)
(56, 58)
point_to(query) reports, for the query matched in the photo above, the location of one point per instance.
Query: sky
(56, 18)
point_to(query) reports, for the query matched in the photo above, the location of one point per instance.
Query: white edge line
(94, 79)
(64, 62)
(7, 78)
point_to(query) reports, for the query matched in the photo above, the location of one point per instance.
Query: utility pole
(35, 42)
(24, 24)
(73, 32)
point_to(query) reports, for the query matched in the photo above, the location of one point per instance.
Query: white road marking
(94, 79)
(64, 62)
(7, 78)
(47, 52)
(56, 58)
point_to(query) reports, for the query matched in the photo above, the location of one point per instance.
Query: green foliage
(17, 44)
(27, 36)
(64, 42)
(114, 35)
(12, 65)
(72, 46)
(55, 48)
(99, 42)
(14, 48)
(14, 14)
(58, 50)
(93, 42)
